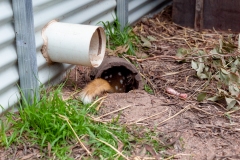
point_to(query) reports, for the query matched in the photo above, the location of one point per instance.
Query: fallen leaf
(146, 43)
(230, 102)
(201, 97)
(141, 55)
(151, 38)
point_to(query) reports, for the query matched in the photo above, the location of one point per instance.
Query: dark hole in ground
(121, 78)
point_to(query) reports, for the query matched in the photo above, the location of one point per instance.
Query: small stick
(109, 145)
(184, 109)
(173, 73)
(150, 116)
(113, 112)
(99, 99)
(202, 110)
(67, 120)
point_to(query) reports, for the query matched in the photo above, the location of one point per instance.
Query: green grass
(148, 89)
(46, 123)
(41, 124)
(118, 37)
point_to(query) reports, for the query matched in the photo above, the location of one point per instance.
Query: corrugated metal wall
(8, 57)
(139, 8)
(75, 11)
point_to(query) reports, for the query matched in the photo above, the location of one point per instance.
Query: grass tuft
(41, 124)
(63, 125)
(118, 37)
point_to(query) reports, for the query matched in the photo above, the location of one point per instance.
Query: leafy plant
(42, 123)
(148, 89)
(119, 38)
(58, 124)
(221, 65)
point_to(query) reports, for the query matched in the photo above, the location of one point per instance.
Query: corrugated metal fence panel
(139, 8)
(8, 58)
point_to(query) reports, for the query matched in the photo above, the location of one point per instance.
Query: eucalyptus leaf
(151, 38)
(234, 78)
(194, 65)
(146, 43)
(202, 75)
(224, 78)
(201, 97)
(214, 51)
(201, 52)
(200, 65)
(237, 62)
(222, 92)
(215, 98)
(234, 90)
(230, 102)
(239, 42)
(224, 71)
(182, 52)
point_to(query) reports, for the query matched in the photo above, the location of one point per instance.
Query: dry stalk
(232, 111)
(198, 89)
(173, 73)
(99, 99)
(152, 85)
(143, 119)
(109, 145)
(183, 110)
(202, 110)
(70, 97)
(68, 122)
(99, 105)
(113, 112)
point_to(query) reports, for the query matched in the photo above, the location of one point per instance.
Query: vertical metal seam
(26, 49)
(122, 12)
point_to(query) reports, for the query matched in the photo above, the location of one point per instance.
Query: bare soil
(188, 129)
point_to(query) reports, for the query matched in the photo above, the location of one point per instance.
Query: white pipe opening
(73, 43)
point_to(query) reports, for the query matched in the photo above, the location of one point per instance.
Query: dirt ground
(190, 130)
(194, 130)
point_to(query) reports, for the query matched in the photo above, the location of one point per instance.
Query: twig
(197, 90)
(183, 110)
(112, 148)
(71, 95)
(149, 116)
(173, 73)
(113, 112)
(229, 112)
(202, 110)
(152, 85)
(67, 120)
(152, 58)
(99, 99)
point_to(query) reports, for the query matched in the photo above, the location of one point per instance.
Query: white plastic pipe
(73, 43)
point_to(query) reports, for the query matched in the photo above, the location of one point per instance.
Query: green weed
(118, 37)
(148, 89)
(41, 123)
(53, 122)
